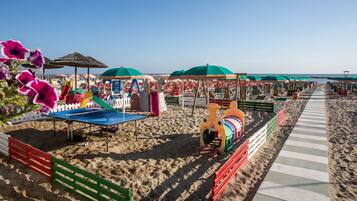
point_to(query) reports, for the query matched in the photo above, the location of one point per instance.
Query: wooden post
(205, 91)
(88, 78)
(183, 94)
(237, 82)
(194, 100)
(75, 78)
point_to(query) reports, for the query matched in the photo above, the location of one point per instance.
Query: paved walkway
(300, 172)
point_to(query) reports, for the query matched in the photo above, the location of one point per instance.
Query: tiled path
(300, 172)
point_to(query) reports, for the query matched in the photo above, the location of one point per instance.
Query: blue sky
(253, 36)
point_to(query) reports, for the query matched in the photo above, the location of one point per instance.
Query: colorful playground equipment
(222, 132)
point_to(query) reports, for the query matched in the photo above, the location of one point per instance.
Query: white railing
(188, 101)
(4, 144)
(257, 140)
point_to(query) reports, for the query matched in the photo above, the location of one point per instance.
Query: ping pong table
(94, 116)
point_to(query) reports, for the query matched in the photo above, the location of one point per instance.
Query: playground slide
(102, 103)
(154, 103)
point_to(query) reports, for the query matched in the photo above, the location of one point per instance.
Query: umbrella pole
(205, 91)
(237, 82)
(183, 95)
(75, 78)
(194, 100)
(88, 78)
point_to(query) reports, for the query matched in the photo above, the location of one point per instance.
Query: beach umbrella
(209, 72)
(176, 74)
(206, 72)
(254, 77)
(277, 78)
(47, 65)
(78, 60)
(121, 73)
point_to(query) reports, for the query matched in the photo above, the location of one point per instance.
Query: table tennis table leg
(136, 130)
(107, 138)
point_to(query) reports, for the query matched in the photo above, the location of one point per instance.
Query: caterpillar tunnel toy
(222, 132)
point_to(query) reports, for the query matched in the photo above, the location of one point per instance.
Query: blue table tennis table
(94, 116)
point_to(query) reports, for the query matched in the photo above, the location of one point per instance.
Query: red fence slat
(33, 158)
(229, 169)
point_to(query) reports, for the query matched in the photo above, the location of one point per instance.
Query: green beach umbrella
(176, 74)
(121, 73)
(254, 77)
(209, 72)
(276, 78)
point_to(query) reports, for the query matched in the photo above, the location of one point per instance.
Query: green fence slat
(86, 183)
(59, 177)
(113, 186)
(114, 195)
(86, 191)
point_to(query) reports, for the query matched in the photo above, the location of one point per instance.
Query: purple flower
(4, 71)
(5, 61)
(36, 58)
(24, 78)
(13, 49)
(46, 95)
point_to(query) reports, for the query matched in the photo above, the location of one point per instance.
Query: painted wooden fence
(256, 141)
(4, 144)
(271, 125)
(87, 184)
(172, 100)
(228, 170)
(188, 101)
(31, 157)
(245, 152)
(256, 106)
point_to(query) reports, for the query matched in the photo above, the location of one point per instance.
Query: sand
(163, 164)
(342, 137)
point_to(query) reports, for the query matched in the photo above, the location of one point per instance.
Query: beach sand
(250, 176)
(342, 137)
(163, 164)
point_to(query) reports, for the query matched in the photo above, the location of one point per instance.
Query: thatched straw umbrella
(78, 60)
(47, 65)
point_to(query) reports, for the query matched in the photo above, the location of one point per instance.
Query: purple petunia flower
(46, 95)
(24, 78)
(36, 58)
(4, 71)
(13, 49)
(5, 61)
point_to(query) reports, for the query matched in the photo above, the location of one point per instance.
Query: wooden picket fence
(256, 106)
(33, 158)
(172, 100)
(87, 184)
(228, 170)
(256, 141)
(71, 177)
(4, 144)
(245, 152)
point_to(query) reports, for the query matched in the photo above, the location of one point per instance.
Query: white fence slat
(256, 141)
(4, 144)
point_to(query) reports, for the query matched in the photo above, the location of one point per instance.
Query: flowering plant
(21, 91)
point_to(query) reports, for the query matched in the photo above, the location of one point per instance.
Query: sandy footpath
(342, 137)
